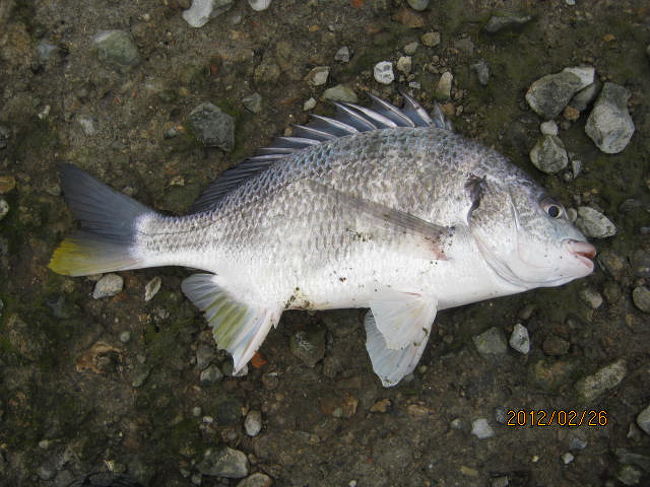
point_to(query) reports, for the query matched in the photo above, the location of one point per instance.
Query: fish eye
(552, 207)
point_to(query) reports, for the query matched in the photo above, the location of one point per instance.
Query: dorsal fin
(350, 119)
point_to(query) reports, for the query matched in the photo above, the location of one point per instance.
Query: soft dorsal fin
(349, 119)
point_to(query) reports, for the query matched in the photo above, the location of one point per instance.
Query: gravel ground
(120, 376)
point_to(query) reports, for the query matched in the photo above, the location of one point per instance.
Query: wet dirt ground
(114, 384)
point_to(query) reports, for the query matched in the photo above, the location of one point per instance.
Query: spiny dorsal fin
(349, 119)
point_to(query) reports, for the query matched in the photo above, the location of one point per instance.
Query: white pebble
(520, 340)
(548, 128)
(567, 458)
(259, 5)
(108, 285)
(384, 72)
(309, 104)
(481, 429)
(152, 288)
(199, 13)
(253, 423)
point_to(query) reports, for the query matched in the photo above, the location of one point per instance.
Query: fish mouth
(583, 251)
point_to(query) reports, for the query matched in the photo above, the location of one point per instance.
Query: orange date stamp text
(556, 417)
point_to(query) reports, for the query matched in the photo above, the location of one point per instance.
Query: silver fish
(381, 208)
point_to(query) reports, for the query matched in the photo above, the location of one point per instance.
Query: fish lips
(583, 251)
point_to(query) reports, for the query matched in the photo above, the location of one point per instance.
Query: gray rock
(259, 5)
(482, 429)
(318, 76)
(501, 414)
(202, 11)
(577, 442)
(45, 50)
(108, 285)
(342, 55)
(405, 64)
(4, 208)
(520, 340)
(228, 463)
(643, 420)
(256, 480)
(508, 21)
(641, 298)
(443, 88)
(213, 127)
(411, 48)
(431, 39)
(418, 5)
(116, 47)
(125, 336)
(501, 481)
(482, 70)
(253, 423)
(204, 355)
(594, 224)
(309, 104)
(140, 375)
(341, 93)
(567, 458)
(152, 288)
(549, 155)
(609, 124)
(629, 475)
(626, 456)
(253, 103)
(309, 346)
(491, 342)
(551, 93)
(585, 96)
(211, 375)
(4, 136)
(548, 128)
(383, 72)
(592, 386)
(88, 125)
(591, 297)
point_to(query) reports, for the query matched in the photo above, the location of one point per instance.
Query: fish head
(526, 236)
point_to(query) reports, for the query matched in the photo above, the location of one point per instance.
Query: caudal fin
(107, 222)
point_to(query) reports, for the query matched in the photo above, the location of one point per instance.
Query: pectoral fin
(397, 330)
(237, 327)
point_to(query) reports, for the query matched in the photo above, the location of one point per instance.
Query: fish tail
(108, 223)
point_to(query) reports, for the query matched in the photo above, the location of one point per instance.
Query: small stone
(4, 208)
(585, 96)
(509, 21)
(340, 93)
(549, 155)
(567, 458)
(643, 420)
(125, 336)
(309, 346)
(577, 442)
(418, 5)
(108, 285)
(464, 45)
(204, 355)
(482, 70)
(641, 298)
(202, 11)
(117, 47)
(629, 475)
(342, 55)
(501, 415)
(443, 88)
(405, 64)
(594, 224)
(500, 481)
(383, 72)
(46, 50)
(409, 18)
(482, 429)
(140, 375)
(253, 423)
(411, 48)
(591, 297)
(491, 342)
(152, 288)
(551, 93)
(554, 345)
(259, 5)
(520, 340)
(253, 103)
(309, 104)
(548, 128)
(609, 124)
(87, 125)
(227, 462)
(213, 127)
(381, 406)
(256, 480)
(468, 471)
(604, 379)
(430, 39)
(318, 75)
(211, 375)
(570, 113)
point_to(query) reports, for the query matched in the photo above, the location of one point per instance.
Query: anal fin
(238, 327)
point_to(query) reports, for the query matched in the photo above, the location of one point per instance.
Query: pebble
(520, 340)
(506, 21)
(629, 475)
(4, 208)
(641, 298)
(549, 155)
(606, 378)
(501, 414)
(125, 336)
(482, 70)
(548, 95)
(643, 420)
(609, 124)
(383, 72)
(227, 462)
(585, 96)
(591, 297)
(554, 345)
(116, 46)
(340, 93)
(577, 441)
(45, 50)
(548, 128)
(405, 64)
(567, 458)
(594, 224)
(108, 285)
(4, 136)
(308, 346)
(202, 11)
(318, 76)
(409, 18)
(213, 127)
(491, 342)
(443, 88)
(204, 355)
(211, 375)
(152, 288)
(343, 55)
(411, 48)
(431, 39)
(309, 104)
(87, 125)
(256, 480)
(253, 103)
(482, 429)
(259, 5)
(501, 481)
(253, 423)
(418, 5)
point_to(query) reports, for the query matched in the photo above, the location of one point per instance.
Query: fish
(376, 207)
